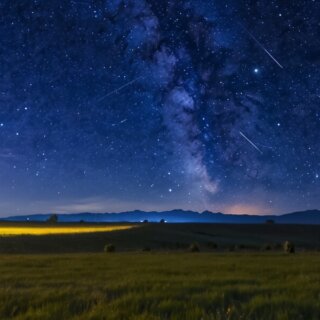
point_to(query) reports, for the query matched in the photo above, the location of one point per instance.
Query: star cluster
(145, 104)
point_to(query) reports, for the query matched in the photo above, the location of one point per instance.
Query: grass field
(158, 237)
(152, 286)
(67, 276)
(16, 229)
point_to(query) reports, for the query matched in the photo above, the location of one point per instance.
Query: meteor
(255, 146)
(262, 47)
(118, 89)
(117, 124)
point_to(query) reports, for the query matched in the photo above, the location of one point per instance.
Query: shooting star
(117, 124)
(118, 89)
(261, 46)
(263, 145)
(255, 146)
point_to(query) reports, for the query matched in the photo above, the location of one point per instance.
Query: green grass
(67, 276)
(14, 230)
(152, 286)
(160, 237)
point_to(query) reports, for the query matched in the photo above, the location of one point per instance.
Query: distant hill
(178, 216)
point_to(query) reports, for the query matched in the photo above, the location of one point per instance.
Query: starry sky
(114, 105)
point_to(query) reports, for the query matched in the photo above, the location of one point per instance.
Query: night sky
(119, 105)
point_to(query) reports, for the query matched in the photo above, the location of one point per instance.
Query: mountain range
(178, 216)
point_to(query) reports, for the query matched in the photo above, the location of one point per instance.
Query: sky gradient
(117, 105)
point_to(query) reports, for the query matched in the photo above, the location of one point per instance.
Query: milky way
(118, 105)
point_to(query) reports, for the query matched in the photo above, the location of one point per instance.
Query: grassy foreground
(160, 286)
(46, 229)
(158, 237)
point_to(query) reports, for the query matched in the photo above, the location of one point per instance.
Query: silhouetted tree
(270, 221)
(162, 221)
(53, 218)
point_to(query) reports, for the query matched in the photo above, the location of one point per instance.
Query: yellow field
(43, 230)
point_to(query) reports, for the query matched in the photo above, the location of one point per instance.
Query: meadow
(154, 286)
(156, 236)
(68, 276)
(18, 229)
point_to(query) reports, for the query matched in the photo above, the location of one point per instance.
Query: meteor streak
(117, 124)
(118, 89)
(255, 146)
(262, 47)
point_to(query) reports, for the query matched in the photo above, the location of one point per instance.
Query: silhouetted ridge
(178, 216)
